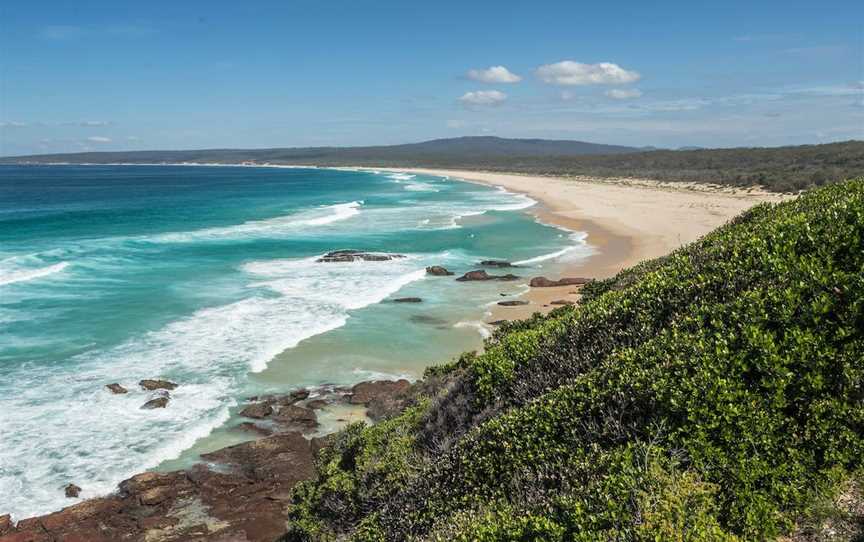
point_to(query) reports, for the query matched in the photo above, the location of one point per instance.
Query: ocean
(207, 276)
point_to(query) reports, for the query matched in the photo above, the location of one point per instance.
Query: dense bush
(714, 394)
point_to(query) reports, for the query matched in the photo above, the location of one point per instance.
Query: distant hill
(458, 147)
(781, 169)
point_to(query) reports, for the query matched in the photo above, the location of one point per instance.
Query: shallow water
(207, 276)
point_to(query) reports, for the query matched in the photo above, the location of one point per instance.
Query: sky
(100, 75)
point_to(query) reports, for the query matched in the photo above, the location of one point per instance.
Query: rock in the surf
(408, 300)
(151, 385)
(339, 256)
(480, 274)
(543, 282)
(116, 389)
(158, 402)
(72, 491)
(513, 303)
(438, 271)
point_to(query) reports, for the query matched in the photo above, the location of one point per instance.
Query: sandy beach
(627, 220)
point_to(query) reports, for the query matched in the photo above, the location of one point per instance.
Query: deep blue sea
(207, 276)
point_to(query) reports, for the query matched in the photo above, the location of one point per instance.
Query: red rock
(257, 411)
(365, 392)
(26, 536)
(5, 524)
(483, 275)
(296, 417)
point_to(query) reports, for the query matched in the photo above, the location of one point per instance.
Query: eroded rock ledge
(236, 494)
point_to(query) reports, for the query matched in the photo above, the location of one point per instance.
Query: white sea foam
(208, 353)
(579, 249)
(11, 276)
(271, 227)
(479, 327)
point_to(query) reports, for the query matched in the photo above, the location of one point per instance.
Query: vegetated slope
(714, 394)
(781, 169)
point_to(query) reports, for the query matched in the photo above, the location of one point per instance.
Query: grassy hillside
(781, 169)
(714, 394)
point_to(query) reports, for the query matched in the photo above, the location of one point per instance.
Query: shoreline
(626, 221)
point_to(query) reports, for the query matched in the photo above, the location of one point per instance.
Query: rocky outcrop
(239, 494)
(339, 256)
(483, 275)
(513, 303)
(257, 411)
(365, 392)
(562, 302)
(116, 389)
(543, 282)
(151, 385)
(438, 271)
(158, 402)
(296, 417)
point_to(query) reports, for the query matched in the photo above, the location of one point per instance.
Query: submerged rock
(72, 491)
(151, 385)
(158, 402)
(543, 282)
(249, 427)
(438, 271)
(408, 300)
(296, 417)
(356, 255)
(483, 275)
(513, 303)
(496, 263)
(116, 389)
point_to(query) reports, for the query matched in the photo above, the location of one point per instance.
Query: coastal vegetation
(778, 169)
(716, 393)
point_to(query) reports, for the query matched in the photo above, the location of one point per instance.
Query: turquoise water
(207, 276)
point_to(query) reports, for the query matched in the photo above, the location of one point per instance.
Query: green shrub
(714, 394)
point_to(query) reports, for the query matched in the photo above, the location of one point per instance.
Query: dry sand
(627, 220)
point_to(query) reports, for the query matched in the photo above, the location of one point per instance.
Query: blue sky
(172, 75)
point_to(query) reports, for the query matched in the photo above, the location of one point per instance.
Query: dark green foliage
(779, 169)
(714, 394)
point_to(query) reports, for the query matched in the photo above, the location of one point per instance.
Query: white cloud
(568, 72)
(455, 124)
(623, 93)
(12, 124)
(89, 123)
(494, 74)
(99, 139)
(483, 97)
